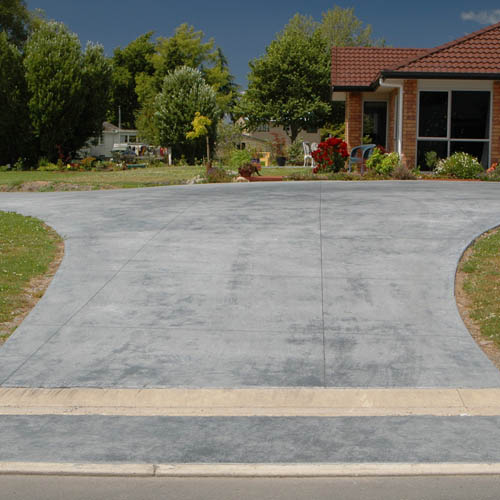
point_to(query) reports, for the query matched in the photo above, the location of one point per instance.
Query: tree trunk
(208, 150)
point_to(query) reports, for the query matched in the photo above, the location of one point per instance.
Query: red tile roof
(360, 66)
(477, 53)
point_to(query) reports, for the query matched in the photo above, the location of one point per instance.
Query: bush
(218, 174)
(49, 167)
(460, 166)
(296, 153)
(403, 174)
(383, 163)
(240, 157)
(330, 155)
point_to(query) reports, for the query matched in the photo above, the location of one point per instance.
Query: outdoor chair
(307, 154)
(359, 155)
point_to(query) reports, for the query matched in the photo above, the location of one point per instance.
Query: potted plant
(278, 145)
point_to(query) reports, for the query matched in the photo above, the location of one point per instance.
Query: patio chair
(359, 155)
(307, 154)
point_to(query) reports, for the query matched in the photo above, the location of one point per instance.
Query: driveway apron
(319, 284)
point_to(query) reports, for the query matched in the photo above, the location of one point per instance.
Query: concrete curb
(250, 470)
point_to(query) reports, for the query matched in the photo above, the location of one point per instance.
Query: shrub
(460, 166)
(49, 167)
(431, 158)
(240, 157)
(330, 155)
(218, 174)
(383, 163)
(403, 174)
(296, 153)
(87, 163)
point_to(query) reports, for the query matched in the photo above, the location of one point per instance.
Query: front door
(375, 123)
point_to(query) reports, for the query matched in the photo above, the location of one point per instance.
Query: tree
(185, 92)
(129, 64)
(185, 48)
(341, 28)
(201, 126)
(15, 130)
(67, 89)
(290, 84)
(15, 20)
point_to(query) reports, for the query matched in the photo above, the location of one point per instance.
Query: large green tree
(67, 88)
(186, 48)
(14, 20)
(185, 92)
(341, 28)
(290, 84)
(15, 129)
(129, 64)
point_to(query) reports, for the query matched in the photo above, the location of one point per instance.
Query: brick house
(445, 99)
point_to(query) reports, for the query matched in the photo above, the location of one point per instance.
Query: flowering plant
(330, 155)
(493, 167)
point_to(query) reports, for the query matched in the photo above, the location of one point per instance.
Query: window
(451, 121)
(263, 128)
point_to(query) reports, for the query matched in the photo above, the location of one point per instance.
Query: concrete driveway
(278, 285)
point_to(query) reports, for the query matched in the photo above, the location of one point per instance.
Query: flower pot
(281, 160)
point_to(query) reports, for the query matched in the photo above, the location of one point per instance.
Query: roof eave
(355, 88)
(440, 75)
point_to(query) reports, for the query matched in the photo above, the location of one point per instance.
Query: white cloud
(482, 16)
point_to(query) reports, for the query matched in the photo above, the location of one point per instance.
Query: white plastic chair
(307, 154)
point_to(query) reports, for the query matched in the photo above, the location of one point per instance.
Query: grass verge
(477, 290)
(133, 178)
(30, 253)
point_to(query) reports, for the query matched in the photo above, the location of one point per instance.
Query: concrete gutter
(278, 402)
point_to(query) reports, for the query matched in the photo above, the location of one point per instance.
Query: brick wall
(409, 146)
(354, 119)
(495, 122)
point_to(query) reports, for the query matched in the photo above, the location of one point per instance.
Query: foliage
(15, 130)
(459, 165)
(431, 158)
(218, 174)
(129, 64)
(403, 173)
(14, 21)
(240, 157)
(341, 28)
(383, 163)
(184, 93)
(229, 136)
(68, 89)
(185, 48)
(201, 126)
(278, 144)
(296, 153)
(290, 83)
(330, 155)
(249, 169)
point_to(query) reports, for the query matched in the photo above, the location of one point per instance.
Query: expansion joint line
(95, 294)
(322, 284)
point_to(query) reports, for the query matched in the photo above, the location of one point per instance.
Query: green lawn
(482, 284)
(27, 247)
(141, 177)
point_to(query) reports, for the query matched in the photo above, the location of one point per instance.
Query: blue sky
(243, 29)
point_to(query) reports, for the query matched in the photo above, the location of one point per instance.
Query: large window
(451, 121)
